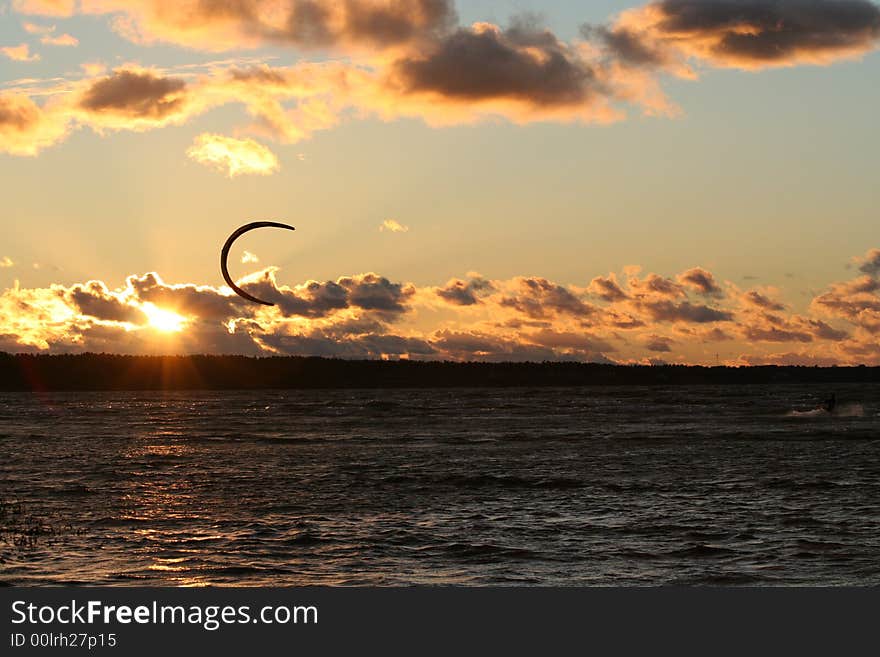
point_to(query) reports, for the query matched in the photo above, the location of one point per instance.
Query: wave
(843, 410)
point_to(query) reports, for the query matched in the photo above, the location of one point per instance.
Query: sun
(163, 320)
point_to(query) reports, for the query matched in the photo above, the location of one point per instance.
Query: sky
(688, 181)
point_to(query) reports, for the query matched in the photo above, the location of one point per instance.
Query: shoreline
(107, 372)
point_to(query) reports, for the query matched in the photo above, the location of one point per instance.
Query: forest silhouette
(23, 372)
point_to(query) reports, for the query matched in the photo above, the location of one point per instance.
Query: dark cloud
(373, 292)
(775, 334)
(622, 321)
(227, 24)
(259, 74)
(467, 343)
(659, 344)
(539, 298)
(522, 64)
(95, 300)
(477, 346)
(318, 343)
(793, 359)
(768, 327)
(324, 23)
(583, 343)
(135, 94)
(702, 281)
(767, 32)
(870, 263)
(365, 291)
(625, 46)
(758, 300)
(668, 311)
(715, 335)
(823, 331)
(398, 21)
(464, 293)
(9, 343)
(656, 285)
(607, 289)
(312, 300)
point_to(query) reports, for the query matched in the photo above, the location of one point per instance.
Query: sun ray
(163, 320)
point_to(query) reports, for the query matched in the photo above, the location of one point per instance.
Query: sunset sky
(674, 181)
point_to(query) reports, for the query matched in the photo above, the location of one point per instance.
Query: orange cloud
(45, 7)
(34, 28)
(26, 128)
(217, 25)
(414, 60)
(64, 40)
(370, 316)
(21, 53)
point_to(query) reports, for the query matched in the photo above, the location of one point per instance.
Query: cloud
(187, 300)
(20, 53)
(45, 7)
(223, 25)
(314, 299)
(870, 262)
(94, 69)
(473, 318)
(770, 333)
(465, 292)
(370, 346)
(855, 301)
(539, 298)
(26, 128)
(135, 94)
(249, 258)
(6, 262)
(374, 292)
(570, 343)
(663, 310)
(607, 289)
(794, 359)
(523, 65)
(34, 28)
(64, 40)
(654, 285)
(746, 34)
(392, 60)
(659, 344)
(94, 299)
(702, 281)
(476, 346)
(743, 33)
(393, 226)
(234, 157)
(757, 300)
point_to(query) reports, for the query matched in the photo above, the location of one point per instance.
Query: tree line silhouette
(24, 372)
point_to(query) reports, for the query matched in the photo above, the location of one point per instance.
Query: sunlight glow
(163, 320)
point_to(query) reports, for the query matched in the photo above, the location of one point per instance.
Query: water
(605, 486)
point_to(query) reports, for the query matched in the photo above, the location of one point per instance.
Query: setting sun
(163, 320)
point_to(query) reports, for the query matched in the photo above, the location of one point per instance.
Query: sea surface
(715, 485)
